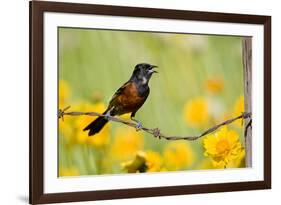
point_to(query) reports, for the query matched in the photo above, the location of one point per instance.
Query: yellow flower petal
(127, 141)
(64, 93)
(196, 111)
(223, 147)
(214, 85)
(154, 161)
(138, 164)
(148, 161)
(178, 155)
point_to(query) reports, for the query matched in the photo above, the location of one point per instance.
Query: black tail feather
(96, 126)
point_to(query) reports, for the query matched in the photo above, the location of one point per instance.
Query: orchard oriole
(128, 98)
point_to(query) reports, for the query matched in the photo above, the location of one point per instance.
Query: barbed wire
(156, 132)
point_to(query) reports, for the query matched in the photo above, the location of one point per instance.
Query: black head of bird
(143, 72)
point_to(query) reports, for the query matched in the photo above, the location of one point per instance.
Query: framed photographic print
(135, 102)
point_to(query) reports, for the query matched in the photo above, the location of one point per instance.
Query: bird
(129, 98)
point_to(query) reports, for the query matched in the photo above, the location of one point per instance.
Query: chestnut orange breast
(127, 99)
(130, 98)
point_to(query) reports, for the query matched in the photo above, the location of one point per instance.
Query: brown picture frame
(37, 9)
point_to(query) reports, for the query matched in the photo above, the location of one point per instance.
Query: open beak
(152, 69)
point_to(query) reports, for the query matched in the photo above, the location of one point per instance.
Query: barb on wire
(156, 132)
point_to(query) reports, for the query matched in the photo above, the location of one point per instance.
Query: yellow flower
(66, 172)
(64, 93)
(65, 127)
(178, 155)
(196, 111)
(148, 161)
(214, 85)
(127, 142)
(138, 164)
(72, 127)
(238, 109)
(100, 139)
(223, 147)
(237, 162)
(154, 161)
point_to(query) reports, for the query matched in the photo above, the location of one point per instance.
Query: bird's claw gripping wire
(107, 116)
(139, 125)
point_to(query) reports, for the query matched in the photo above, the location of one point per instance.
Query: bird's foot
(138, 126)
(107, 115)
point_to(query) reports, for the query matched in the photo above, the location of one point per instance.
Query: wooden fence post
(247, 68)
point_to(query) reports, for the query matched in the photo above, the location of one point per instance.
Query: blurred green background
(200, 83)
